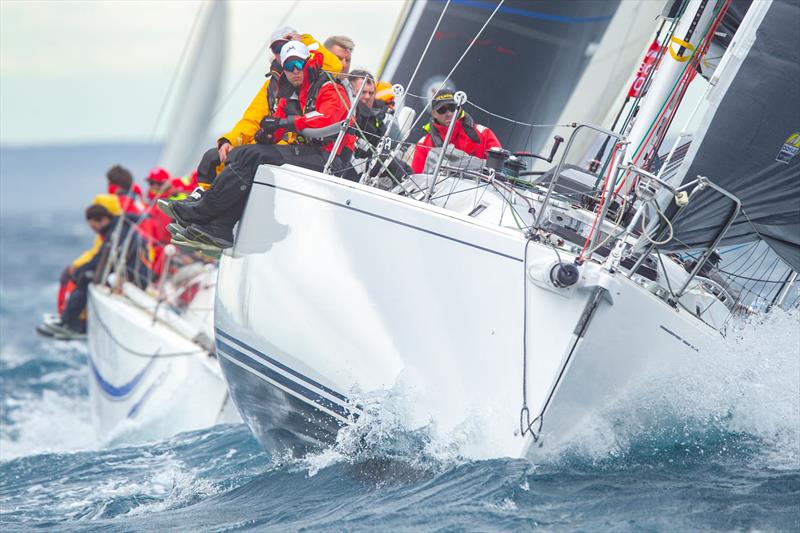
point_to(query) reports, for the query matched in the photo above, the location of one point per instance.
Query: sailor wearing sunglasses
(308, 98)
(468, 137)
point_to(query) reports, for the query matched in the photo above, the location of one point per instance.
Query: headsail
(525, 64)
(749, 139)
(188, 129)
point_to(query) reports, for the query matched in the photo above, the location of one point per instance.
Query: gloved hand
(269, 124)
(197, 193)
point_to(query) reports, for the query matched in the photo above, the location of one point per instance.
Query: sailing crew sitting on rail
(120, 183)
(102, 216)
(342, 47)
(468, 137)
(371, 122)
(308, 98)
(263, 104)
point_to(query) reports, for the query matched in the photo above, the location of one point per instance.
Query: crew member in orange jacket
(467, 136)
(308, 98)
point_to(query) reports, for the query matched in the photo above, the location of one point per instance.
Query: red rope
(599, 209)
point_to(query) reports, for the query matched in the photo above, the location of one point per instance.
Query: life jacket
(467, 124)
(293, 106)
(275, 75)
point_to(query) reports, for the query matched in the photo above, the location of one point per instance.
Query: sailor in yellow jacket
(262, 105)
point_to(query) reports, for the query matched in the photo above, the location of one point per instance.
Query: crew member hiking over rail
(308, 98)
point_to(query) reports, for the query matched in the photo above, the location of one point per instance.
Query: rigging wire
(251, 65)
(469, 47)
(176, 72)
(137, 353)
(425, 51)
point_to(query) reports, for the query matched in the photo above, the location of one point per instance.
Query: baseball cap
(443, 97)
(294, 49)
(281, 33)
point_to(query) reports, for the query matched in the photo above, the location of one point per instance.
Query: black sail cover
(751, 144)
(524, 65)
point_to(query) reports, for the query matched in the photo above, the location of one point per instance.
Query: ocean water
(714, 449)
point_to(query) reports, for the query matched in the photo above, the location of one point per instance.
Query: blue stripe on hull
(309, 395)
(281, 366)
(279, 420)
(118, 392)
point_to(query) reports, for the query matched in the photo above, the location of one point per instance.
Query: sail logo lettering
(789, 149)
(647, 65)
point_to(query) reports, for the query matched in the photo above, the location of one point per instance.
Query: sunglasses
(449, 108)
(294, 65)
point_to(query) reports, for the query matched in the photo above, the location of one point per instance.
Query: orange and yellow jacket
(248, 125)
(110, 202)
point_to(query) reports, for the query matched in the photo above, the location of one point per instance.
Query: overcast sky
(73, 72)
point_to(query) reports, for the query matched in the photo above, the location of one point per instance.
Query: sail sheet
(187, 134)
(749, 139)
(525, 64)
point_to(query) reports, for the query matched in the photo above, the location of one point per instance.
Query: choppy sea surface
(716, 449)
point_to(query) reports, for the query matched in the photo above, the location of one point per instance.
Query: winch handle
(557, 140)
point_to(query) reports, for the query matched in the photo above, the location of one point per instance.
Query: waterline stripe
(280, 365)
(285, 383)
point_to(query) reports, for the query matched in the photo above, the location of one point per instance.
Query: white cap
(281, 33)
(294, 49)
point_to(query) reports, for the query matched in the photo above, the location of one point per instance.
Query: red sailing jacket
(460, 139)
(127, 199)
(329, 106)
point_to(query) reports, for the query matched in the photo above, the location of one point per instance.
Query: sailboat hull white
(147, 381)
(336, 293)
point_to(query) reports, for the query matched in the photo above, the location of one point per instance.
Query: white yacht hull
(336, 293)
(148, 380)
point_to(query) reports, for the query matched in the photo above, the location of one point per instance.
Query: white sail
(619, 53)
(186, 137)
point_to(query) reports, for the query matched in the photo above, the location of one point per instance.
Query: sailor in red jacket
(308, 98)
(473, 139)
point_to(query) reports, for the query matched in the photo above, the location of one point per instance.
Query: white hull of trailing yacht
(336, 293)
(150, 379)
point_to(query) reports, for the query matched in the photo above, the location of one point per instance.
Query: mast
(652, 114)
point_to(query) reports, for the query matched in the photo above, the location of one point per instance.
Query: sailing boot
(182, 212)
(218, 233)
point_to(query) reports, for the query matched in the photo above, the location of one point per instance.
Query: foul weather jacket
(261, 106)
(475, 143)
(322, 102)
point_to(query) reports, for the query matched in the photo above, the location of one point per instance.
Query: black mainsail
(749, 139)
(524, 65)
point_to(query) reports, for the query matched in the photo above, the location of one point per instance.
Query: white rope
(669, 225)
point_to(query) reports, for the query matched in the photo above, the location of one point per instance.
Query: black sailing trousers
(224, 202)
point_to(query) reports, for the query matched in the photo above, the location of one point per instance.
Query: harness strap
(467, 124)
